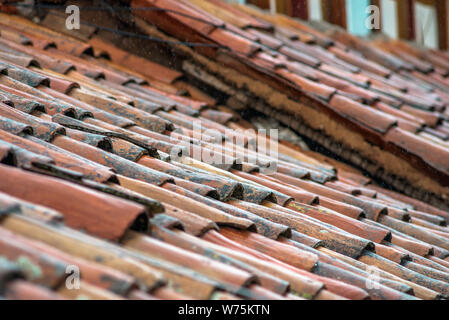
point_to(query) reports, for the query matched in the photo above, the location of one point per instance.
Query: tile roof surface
(89, 176)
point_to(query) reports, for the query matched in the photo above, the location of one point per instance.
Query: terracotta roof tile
(266, 39)
(337, 287)
(320, 90)
(121, 165)
(266, 227)
(99, 136)
(16, 37)
(135, 63)
(64, 43)
(234, 41)
(40, 56)
(22, 37)
(140, 117)
(108, 224)
(300, 57)
(377, 121)
(239, 18)
(215, 270)
(85, 249)
(193, 224)
(419, 148)
(61, 158)
(22, 290)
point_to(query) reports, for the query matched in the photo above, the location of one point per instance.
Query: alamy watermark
(72, 282)
(227, 147)
(372, 22)
(372, 282)
(72, 22)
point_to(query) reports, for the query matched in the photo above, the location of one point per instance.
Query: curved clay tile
(299, 283)
(97, 113)
(44, 60)
(16, 37)
(60, 84)
(64, 43)
(387, 290)
(8, 204)
(258, 194)
(92, 139)
(202, 247)
(52, 106)
(348, 224)
(225, 187)
(193, 223)
(25, 75)
(42, 129)
(265, 227)
(335, 287)
(165, 221)
(147, 138)
(120, 165)
(198, 188)
(392, 254)
(128, 150)
(297, 194)
(331, 236)
(380, 293)
(405, 273)
(15, 127)
(62, 158)
(21, 103)
(13, 204)
(44, 269)
(9, 272)
(137, 294)
(135, 63)
(217, 116)
(80, 245)
(290, 255)
(22, 290)
(424, 151)
(142, 118)
(371, 209)
(95, 212)
(19, 59)
(213, 269)
(377, 121)
(304, 240)
(29, 160)
(178, 200)
(209, 21)
(320, 90)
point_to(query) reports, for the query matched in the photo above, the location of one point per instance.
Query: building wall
(420, 20)
(426, 25)
(315, 10)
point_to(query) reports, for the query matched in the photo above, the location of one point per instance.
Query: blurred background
(423, 21)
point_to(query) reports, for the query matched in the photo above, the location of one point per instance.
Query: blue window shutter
(356, 15)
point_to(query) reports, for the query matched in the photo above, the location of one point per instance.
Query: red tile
(105, 216)
(375, 120)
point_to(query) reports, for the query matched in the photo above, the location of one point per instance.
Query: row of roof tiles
(390, 90)
(88, 180)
